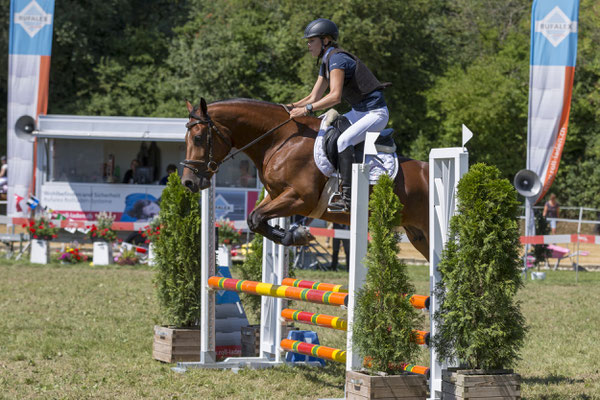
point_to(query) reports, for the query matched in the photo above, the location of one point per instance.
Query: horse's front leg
(285, 205)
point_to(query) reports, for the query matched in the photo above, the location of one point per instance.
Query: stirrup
(338, 203)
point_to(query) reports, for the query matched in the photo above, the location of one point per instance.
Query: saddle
(337, 125)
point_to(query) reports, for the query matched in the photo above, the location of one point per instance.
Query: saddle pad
(382, 163)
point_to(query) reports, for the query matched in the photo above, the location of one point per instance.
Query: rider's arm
(334, 97)
(315, 94)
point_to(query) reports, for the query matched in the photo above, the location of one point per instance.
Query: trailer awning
(111, 128)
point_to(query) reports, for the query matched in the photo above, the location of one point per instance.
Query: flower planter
(473, 384)
(40, 251)
(176, 344)
(224, 255)
(406, 386)
(103, 254)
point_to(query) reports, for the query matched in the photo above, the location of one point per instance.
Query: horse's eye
(197, 140)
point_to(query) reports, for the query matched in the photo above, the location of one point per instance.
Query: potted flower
(127, 257)
(41, 232)
(227, 233)
(384, 321)
(227, 236)
(71, 255)
(150, 235)
(178, 280)
(102, 235)
(480, 324)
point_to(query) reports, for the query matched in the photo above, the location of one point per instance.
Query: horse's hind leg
(284, 205)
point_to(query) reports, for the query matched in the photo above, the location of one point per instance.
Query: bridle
(212, 166)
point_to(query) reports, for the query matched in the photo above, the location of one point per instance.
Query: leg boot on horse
(340, 201)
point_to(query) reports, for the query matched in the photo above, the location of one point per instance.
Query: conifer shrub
(178, 278)
(384, 319)
(480, 322)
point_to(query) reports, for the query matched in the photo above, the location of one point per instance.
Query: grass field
(79, 332)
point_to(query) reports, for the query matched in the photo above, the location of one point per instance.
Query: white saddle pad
(380, 164)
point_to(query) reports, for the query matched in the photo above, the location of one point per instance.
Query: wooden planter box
(176, 344)
(478, 384)
(361, 386)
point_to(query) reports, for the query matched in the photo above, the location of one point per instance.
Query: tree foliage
(480, 323)
(178, 269)
(384, 319)
(450, 63)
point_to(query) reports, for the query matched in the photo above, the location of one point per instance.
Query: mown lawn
(78, 332)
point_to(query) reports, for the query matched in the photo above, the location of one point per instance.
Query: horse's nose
(188, 183)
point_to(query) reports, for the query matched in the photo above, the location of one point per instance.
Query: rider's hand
(298, 112)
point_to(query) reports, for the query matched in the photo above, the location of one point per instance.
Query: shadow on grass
(551, 380)
(329, 375)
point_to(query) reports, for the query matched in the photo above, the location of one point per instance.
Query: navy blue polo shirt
(343, 61)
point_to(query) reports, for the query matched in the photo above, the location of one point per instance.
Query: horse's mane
(242, 100)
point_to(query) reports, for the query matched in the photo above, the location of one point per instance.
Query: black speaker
(527, 183)
(24, 128)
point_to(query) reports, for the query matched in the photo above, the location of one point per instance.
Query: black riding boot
(340, 202)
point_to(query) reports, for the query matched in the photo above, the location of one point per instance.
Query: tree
(177, 259)
(384, 318)
(480, 323)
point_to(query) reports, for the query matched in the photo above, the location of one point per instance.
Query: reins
(211, 165)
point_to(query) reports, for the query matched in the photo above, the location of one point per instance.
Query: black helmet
(321, 27)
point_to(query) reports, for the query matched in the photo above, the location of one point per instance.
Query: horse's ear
(189, 105)
(203, 106)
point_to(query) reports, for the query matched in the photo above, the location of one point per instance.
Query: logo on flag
(33, 18)
(556, 26)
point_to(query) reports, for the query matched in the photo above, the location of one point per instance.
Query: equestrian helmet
(321, 27)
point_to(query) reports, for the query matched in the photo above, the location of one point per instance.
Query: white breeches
(362, 122)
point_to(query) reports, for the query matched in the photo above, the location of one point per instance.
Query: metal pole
(578, 233)
(208, 267)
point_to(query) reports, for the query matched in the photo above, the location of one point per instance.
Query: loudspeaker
(24, 128)
(527, 183)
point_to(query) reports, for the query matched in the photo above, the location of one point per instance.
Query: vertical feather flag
(552, 68)
(30, 45)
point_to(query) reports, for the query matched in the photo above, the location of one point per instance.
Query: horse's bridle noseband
(211, 165)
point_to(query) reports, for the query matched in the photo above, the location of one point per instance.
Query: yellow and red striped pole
(417, 300)
(329, 321)
(315, 350)
(280, 291)
(314, 285)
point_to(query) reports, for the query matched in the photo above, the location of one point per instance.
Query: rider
(347, 78)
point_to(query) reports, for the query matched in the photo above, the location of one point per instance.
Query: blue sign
(554, 32)
(31, 27)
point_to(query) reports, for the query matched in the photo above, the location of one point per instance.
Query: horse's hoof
(300, 236)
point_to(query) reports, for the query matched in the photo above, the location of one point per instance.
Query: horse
(282, 151)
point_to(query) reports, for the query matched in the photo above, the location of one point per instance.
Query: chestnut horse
(286, 167)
